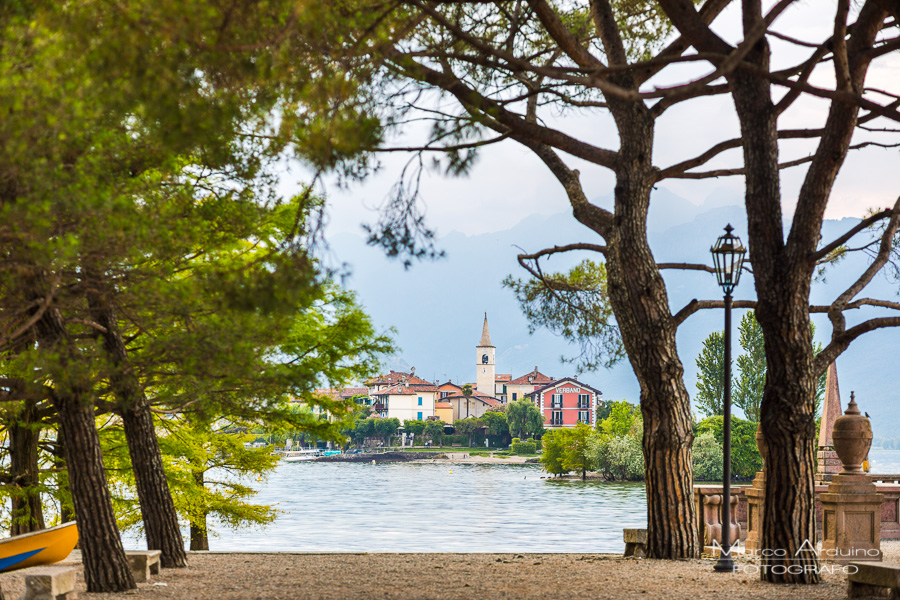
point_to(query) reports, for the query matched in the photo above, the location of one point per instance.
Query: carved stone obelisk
(828, 463)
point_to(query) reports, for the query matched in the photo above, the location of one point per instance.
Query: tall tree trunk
(24, 435)
(106, 568)
(782, 282)
(59, 462)
(199, 532)
(638, 297)
(157, 507)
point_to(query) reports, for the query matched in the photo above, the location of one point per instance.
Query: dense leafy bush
(745, 458)
(526, 447)
(707, 458)
(620, 457)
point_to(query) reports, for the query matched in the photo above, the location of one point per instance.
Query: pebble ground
(287, 576)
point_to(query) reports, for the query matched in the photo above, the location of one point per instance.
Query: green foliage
(575, 306)
(745, 458)
(603, 410)
(385, 428)
(414, 426)
(711, 375)
(619, 458)
(617, 448)
(362, 429)
(523, 447)
(751, 364)
(751, 367)
(210, 472)
(623, 418)
(467, 427)
(708, 457)
(579, 454)
(435, 429)
(524, 418)
(552, 458)
(495, 422)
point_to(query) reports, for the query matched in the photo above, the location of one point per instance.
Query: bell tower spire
(485, 333)
(485, 369)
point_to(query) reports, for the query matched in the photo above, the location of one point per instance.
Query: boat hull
(38, 548)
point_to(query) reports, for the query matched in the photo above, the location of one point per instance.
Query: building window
(420, 414)
(584, 416)
(584, 400)
(514, 396)
(444, 394)
(556, 401)
(556, 417)
(504, 388)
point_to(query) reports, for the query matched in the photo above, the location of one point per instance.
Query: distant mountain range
(437, 307)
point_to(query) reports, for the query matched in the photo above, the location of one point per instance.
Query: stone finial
(831, 409)
(852, 436)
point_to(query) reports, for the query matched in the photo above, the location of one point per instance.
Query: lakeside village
(401, 409)
(561, 422)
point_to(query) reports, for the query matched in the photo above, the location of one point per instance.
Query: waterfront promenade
(346, 576)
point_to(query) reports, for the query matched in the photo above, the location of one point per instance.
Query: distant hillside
(437, 307)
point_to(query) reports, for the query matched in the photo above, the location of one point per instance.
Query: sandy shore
(292, 576)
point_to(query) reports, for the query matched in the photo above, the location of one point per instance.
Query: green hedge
(520, 447)
(456, 439)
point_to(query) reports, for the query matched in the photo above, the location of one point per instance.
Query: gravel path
(259, 576)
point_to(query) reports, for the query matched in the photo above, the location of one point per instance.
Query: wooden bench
(143, 563)
(50, 583)
(873, 579)
(635, 542)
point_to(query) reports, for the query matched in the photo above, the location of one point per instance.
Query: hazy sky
(509, 183)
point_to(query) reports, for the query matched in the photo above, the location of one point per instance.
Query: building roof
(450, 384)
(342, 393)
(485, 335)
(537, 378)
(406, 390)
(503, 378)
(395, 377)
(559, 382)
(443, 405)
(483, 398)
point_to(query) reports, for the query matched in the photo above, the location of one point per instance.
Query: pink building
(567, 402)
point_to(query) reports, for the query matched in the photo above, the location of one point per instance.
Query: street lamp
(728, 256)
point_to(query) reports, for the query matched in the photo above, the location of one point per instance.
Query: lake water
(403, 507)
(884, 461)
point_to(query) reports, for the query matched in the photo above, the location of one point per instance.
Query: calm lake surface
(403, 507)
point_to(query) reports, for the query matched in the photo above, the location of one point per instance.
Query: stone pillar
(756, 499)
(828, 463)
(851, 508)
(712, 519)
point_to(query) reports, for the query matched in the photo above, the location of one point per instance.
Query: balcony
(556, 421)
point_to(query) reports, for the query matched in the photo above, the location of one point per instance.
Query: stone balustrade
(887, 485)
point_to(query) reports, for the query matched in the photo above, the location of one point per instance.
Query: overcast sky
(509, 183)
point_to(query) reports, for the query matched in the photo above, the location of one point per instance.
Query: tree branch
(846, 237)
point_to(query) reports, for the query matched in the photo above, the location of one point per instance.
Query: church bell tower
(485, 367)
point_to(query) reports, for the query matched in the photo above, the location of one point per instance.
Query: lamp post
(728, 256)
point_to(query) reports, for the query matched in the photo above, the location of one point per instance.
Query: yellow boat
(42, 547)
